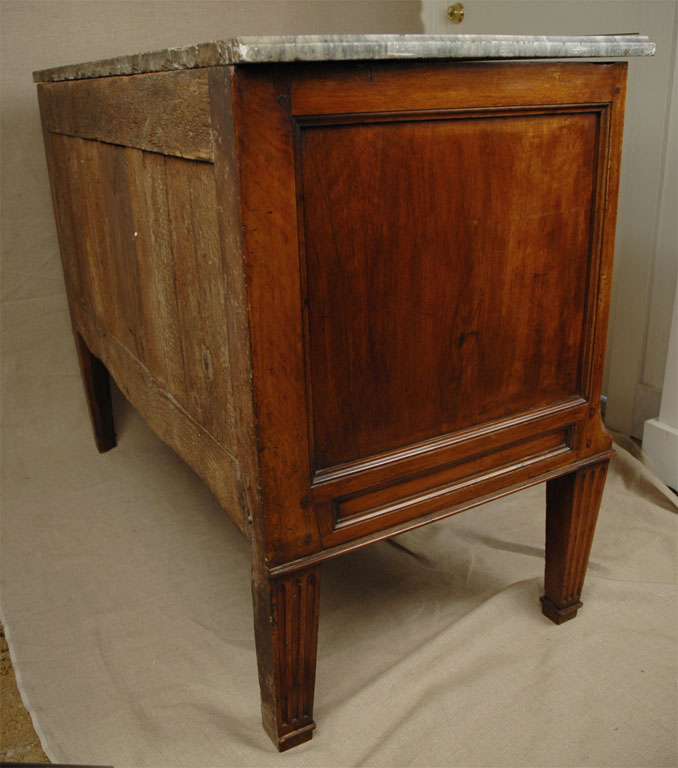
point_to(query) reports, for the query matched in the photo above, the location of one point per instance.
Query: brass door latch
(455, 13)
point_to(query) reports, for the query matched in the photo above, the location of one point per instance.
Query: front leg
(286, 631)
(572, 503)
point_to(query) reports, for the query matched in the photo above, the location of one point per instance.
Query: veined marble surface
(290, 48)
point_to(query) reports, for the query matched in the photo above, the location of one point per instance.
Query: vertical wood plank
(100, 258)
(233, 268)
(164, 352)
(200, 295)
(143, 253)
(270, 236)
(64, 209)
(118, 232)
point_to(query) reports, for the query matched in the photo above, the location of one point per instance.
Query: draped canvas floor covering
(125, 594)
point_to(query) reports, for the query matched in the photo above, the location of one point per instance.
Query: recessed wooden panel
(407, 495)
(463, 446)
(446, 273)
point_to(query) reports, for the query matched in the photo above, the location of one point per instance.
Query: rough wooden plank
(63, 209)
(93, 210)
(86, 234)
(200, 295)
(166, 112)
(141, 246)
(166, 417)
(118, 246)
(155, 265)
(233, 265)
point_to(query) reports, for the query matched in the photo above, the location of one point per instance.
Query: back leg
(95, 379)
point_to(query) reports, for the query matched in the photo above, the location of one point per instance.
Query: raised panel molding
(394, 346)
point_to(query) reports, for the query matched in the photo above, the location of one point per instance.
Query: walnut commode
(357, 283)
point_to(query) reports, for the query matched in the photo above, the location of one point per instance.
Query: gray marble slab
(290, 48)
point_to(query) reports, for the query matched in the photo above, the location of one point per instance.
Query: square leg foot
(559, 615)
(294, 738)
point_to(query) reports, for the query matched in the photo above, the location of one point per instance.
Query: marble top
(291, 48)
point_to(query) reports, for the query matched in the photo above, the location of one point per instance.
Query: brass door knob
(455, 13)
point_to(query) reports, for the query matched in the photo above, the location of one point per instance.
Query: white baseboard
(660, 445)
(646, 406)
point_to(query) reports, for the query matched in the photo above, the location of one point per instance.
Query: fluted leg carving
(572, 504)
(95, 379)
(286, 627)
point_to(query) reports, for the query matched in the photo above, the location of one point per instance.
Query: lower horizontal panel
(361, 514)
(339, 544)
(345, 540)
(447, 450)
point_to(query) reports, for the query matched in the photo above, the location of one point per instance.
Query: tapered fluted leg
(96, 382)
(572, 503)
(286, 629)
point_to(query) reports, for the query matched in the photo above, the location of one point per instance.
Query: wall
(660, 435)
(645, 266)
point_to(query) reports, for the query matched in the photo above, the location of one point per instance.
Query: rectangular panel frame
(270, 108)
(401, 456)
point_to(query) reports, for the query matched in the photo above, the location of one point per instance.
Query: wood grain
(572, 504)
(286, 631)
(155, 265)
(483, 495)
(591, 437)
(354, 88)
(142, 251)
(166, 112)
(433, 502)
(166, 417)
(200, 295)
(235, 291)
(381, 301)
(411, 492)
(265, 148)
(482, 304)
(423, 458)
